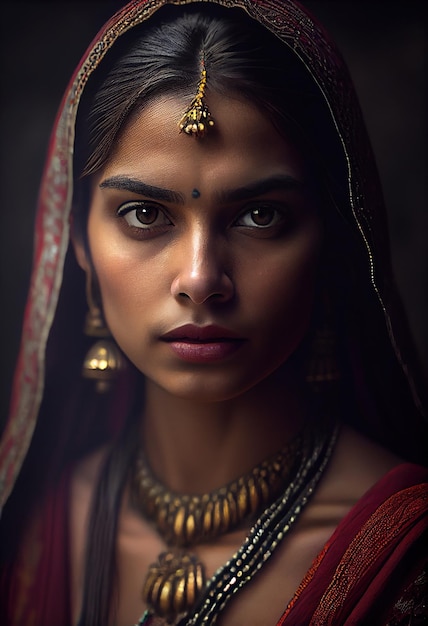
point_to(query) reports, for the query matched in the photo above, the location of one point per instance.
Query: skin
(209, 261)
(213, 259)
(205, 261)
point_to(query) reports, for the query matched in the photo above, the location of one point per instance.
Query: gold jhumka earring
(103, 361)
(197, 118)
(323, 364)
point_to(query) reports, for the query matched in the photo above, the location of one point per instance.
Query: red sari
(376, 553)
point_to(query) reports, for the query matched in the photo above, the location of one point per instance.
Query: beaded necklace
(175, 589)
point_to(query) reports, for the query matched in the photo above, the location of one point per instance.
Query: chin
(203, 391)
(210, 387)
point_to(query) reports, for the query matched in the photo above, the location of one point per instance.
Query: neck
(195, 447)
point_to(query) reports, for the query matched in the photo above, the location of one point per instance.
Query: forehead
(242, 142)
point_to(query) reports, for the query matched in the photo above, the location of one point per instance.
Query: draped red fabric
(39, 595)
(375, 552)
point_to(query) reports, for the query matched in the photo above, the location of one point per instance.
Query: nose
(201, 274)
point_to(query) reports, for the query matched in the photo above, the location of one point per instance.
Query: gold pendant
(173, 584)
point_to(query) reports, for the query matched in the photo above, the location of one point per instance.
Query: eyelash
(128, 211)
(279, 216)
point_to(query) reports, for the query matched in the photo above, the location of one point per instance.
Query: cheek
(118, 272)
(283, 288)
(289, 274)
(127, 291)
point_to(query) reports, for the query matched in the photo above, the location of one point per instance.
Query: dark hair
(241, 57)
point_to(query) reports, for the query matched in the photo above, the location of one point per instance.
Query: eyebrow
(134, 185)
(282, 182)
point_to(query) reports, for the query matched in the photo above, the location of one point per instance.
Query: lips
(202, 344)
(203, 334)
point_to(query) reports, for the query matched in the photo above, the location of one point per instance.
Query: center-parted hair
(163, 57)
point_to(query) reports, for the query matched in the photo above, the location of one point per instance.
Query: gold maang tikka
(197, 118)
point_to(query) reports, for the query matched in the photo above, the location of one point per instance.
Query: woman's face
(205, 249)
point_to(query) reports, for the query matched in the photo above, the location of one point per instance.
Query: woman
(246, 448)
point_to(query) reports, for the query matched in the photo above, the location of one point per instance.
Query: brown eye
(146, 214)
(261, 216)
(143, 215)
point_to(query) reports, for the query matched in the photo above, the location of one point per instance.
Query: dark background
(384, 43)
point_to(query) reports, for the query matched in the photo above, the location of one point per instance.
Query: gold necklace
(185, 520)
(174, 583)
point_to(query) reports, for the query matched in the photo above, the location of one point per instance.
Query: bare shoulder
(356, 465)
(87, 470)
(83, 482)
